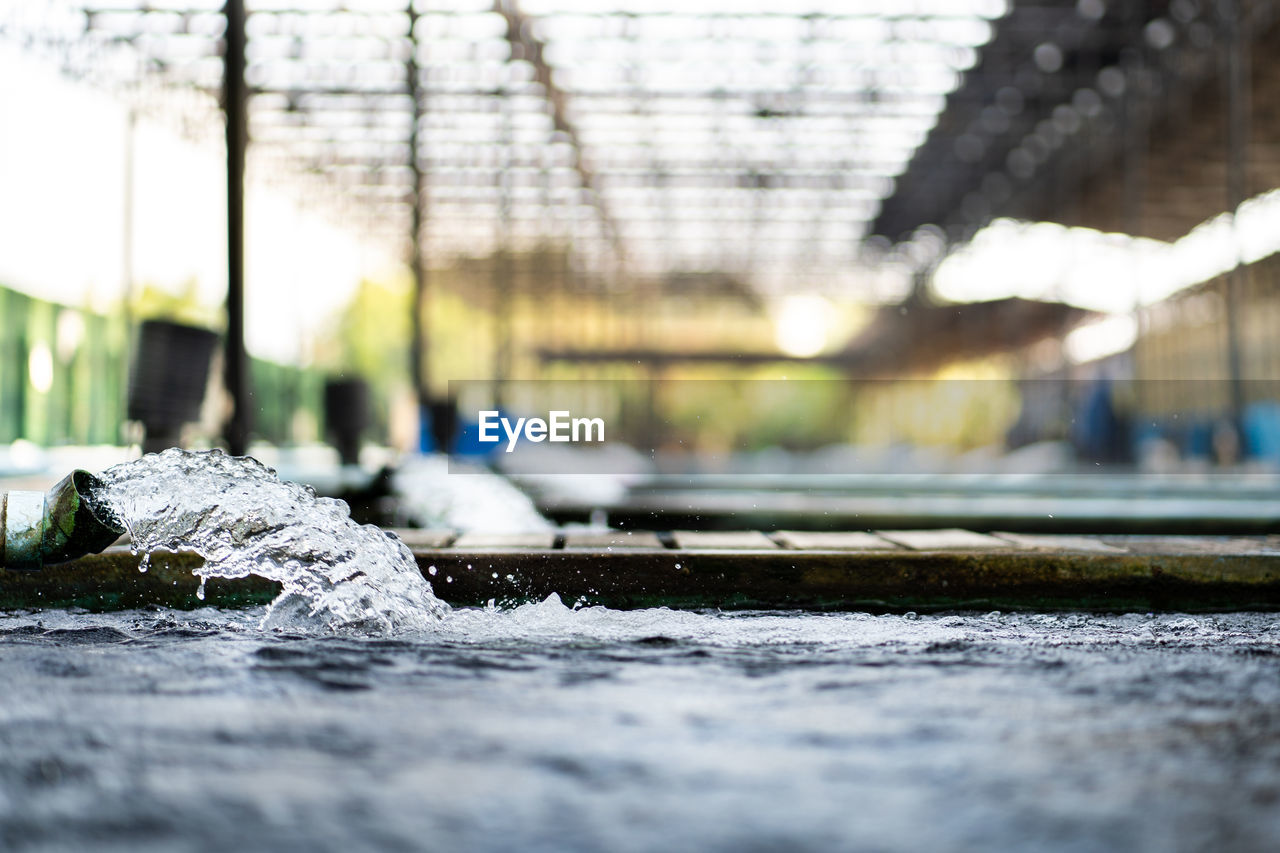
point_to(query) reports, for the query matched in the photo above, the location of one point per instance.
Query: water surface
(545, 728)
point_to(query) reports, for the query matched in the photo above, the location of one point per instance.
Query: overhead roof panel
(702, 119)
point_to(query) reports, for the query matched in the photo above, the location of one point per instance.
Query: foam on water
(237, 514)
(551, 621)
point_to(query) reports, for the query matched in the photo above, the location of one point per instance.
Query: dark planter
(346, 416)
(444, 423)
(167, 379)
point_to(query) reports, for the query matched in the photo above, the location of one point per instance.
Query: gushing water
(237, 514)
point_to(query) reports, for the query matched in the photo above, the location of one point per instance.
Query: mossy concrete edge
(690, 579)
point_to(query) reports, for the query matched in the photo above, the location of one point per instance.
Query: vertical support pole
(1136, 142)
(236, 105)
(542, 307)
(418, 347)
(504, 288)
(1236, 79)
(1135, 120)
(126, 272)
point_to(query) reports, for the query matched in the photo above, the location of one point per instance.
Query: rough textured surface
(548, 729)
(608, 540)
(950, 539)
(735, 540)
(804, 540)
(1144, 573)
(502, 541)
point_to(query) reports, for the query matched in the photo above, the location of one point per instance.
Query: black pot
(346, 415)
(444, 423)
(167, 379)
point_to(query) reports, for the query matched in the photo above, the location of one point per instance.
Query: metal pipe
(1236, 81)
(503, 281)
(419, 343)
(55, 526)
(126, 266)
(235, 103)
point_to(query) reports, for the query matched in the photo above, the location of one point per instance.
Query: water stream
(236, 513)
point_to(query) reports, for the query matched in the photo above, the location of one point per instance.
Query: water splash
(237, 514)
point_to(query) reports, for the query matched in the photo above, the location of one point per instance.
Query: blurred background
(979, 228)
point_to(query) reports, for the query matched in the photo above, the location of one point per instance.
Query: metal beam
(527, 46)
(1236, 82)
(418, 348)
(236, 105)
